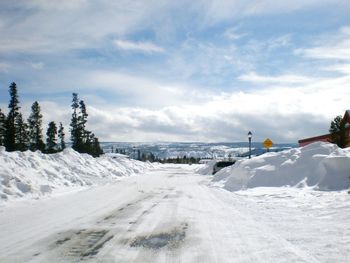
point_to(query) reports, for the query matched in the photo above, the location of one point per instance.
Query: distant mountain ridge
(193, 149)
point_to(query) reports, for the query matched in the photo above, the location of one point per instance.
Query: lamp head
(250, 135)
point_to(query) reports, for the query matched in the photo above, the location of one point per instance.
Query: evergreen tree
(338, 132)
(2, 128)
(11, 120)
(83, 141)
(22, 136)
(61, 137)
(87, 138)
(35, 128)
(51, 140)
(96, 148)
(76, 134)
(82, 119)
(87, 142)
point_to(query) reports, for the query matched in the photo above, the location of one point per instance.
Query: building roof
(320, 137)
(326, 136)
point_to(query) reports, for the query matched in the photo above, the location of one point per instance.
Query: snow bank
(207, 168)
(320, 165)
(34, 173)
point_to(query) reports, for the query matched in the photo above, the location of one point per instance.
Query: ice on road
(173, 215)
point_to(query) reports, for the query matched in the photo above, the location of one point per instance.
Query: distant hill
(192, 149)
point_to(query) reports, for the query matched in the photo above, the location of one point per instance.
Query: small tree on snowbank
(51, 140)
(83, 140)
(35, 128)
(12, 127)
(61, 135)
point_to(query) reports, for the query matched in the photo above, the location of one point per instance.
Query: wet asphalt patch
(171, 239)
(83, 243)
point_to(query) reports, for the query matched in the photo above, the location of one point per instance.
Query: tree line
(151, 157)
(181, 160)
(17, 134)
(178, 160)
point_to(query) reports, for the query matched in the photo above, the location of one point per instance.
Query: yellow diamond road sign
(267, 143)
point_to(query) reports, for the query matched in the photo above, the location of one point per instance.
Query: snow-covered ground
(322, 166)
(33, 174)
(171, 213)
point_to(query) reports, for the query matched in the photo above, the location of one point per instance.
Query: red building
(326, 137)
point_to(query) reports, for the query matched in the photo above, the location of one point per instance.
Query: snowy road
(174, 215)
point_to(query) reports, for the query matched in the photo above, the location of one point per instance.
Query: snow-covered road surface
(174, 215)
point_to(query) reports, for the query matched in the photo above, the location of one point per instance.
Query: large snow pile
(322, 166)
(34, 174)
(207, 168)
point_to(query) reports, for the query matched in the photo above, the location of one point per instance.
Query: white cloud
(61, 26)
(4, 67)
(37, 65)
(331, 46)
(143, 91)
(219, 61)
(340, 51)
(285, 114)
(280, 41)
(341, 68)
(281, 79)
(232, 33)
(51, 26)
(285, 107)
(216, 11)
(146, 47)
(226, 118)
(54, 4)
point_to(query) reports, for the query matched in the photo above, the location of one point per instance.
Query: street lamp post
(250, 143)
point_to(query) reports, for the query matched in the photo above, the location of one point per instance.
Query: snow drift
(34, 173)
(322, 166)
(207, 168)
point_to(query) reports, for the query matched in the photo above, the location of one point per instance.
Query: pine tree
(76, 135)
(61, 137)
(51, 140)
(338, 132)
(22, 136)
(35, 128)
(2, 128)
(82, 119)
(86, 136)
(83, 141)
(96, 148)
(11, 124)
(89, 138)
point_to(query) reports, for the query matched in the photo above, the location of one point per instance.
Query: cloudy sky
(199, 70)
